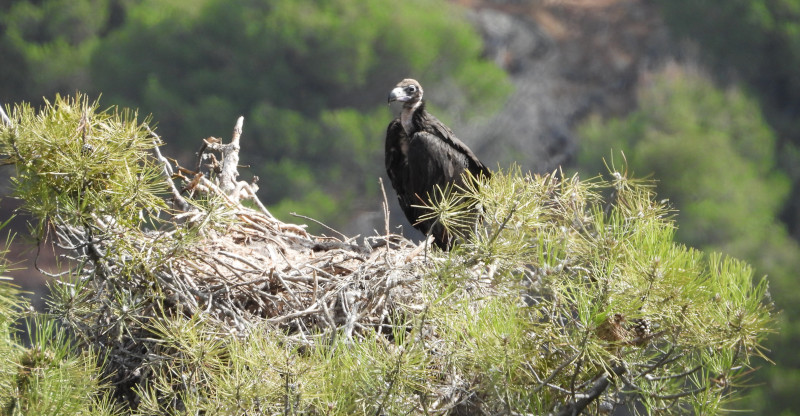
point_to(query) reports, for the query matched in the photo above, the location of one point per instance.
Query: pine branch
(586, 398)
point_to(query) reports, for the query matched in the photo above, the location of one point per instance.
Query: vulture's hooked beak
(398, 94)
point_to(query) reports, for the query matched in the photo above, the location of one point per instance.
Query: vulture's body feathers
(421, 154)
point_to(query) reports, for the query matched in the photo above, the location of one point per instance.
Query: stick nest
(261, 269)
(242, 269)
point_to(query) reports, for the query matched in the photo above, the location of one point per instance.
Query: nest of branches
(243, 268)
(260, 269)
(257, 268)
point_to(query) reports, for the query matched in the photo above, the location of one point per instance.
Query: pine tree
(569, 296)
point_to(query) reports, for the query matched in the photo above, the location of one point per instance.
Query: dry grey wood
(178, 201)
(230, 159)
(4, 116)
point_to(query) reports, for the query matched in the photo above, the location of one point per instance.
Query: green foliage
(713, 155)
(72, 158)
(264, 373)
(758, 42)
(766, 35)
(586, 261)
(311, 77)
(10, 310)
(86, 174)
(47, 45)
(51, 376)
(55, 378)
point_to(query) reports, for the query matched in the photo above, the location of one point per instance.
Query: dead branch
(4, 116)
(230, 159)
(600, 385)
(178, 201)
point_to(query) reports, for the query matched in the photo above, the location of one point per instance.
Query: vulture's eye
(411, 88)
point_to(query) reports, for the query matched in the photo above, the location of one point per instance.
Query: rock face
(532, 128)
(566, 59)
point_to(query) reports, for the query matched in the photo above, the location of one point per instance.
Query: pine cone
(640, 329)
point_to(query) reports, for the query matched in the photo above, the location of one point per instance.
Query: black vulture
(422, 153)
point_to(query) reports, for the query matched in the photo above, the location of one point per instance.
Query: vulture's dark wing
(457, 149)
(435, 162)
(397, 168)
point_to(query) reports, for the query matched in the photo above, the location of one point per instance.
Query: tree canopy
(756, 43)
(713, 156)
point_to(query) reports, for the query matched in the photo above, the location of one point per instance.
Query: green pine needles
(75, 162)
(567, 297)
(563, 289)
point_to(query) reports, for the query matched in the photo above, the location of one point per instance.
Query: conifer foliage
(569, 296)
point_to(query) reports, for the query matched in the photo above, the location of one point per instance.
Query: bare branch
(592, 394)
(4, 116)
(177, 199)
(230, 159)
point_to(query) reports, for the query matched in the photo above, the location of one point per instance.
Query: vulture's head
(407, 91)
